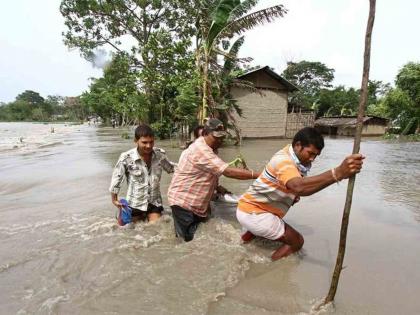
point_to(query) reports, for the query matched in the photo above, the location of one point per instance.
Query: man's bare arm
(306, 186)
(114, 199)
(240, 173)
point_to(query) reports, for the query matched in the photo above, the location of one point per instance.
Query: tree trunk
(203, 113)
(356, 147)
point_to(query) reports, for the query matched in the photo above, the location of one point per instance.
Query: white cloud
(333, 32)
(33, 56)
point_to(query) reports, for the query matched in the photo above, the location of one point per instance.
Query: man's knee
(300, 241)
(292, 238)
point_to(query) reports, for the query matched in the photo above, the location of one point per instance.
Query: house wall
(367, 130)
(373, 130)
(263, 116)
(346, 130)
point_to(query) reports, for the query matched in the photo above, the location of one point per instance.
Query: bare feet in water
(247, 237)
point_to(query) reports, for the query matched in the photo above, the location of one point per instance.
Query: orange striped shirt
(268, 193)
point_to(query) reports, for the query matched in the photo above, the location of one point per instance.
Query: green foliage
(187, 100)
(116, 92)
(402, 103)
(92, 24)
(310, 77)
(159, 78)
(408, 80)
(31, 106)
(30, 97)
(342, 101)
(219, 22)
(75, 109)
(125, 135)
(163, 129)
(18, 110)
(143, 81)
(396, 102)
(239, 161)
(377, 90)
(397, 137)
(337, 102)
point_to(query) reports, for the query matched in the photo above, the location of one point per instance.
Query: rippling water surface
(62, 252)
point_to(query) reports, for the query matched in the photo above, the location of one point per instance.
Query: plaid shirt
(195, 178)
(143, 183)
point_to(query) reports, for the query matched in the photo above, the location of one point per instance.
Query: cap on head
(215, 127)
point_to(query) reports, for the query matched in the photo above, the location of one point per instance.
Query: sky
(34, 57)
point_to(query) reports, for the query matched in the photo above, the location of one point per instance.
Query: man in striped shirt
(284, 179)
(195, 179)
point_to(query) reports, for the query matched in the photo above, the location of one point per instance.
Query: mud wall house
(265, 110)
(346, 125)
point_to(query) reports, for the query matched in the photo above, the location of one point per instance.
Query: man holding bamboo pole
(284, 180)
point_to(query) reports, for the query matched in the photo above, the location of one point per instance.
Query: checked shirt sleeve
(118, 176)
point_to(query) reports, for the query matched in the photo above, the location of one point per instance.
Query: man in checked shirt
(142, 168)
(196, 178)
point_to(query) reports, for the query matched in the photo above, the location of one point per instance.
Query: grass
(397, 137)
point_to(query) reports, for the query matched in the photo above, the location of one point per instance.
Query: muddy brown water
(61, 251)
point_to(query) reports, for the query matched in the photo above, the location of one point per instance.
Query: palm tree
(227, 19)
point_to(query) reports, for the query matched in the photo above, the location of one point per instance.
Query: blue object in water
(124, 215)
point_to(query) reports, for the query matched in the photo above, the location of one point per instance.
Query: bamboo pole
(356, 148)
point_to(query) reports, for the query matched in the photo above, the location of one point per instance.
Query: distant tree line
(401, 104)
(31, 106)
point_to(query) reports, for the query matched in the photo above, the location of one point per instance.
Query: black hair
(143, 131)
(308, 136)
(196, 131)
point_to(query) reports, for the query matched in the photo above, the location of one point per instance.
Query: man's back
(195, 177)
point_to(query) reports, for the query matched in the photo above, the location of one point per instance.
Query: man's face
(218, 141)
(306, 154)
(145, 144)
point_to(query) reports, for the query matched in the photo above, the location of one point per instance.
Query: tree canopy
(310, 77)
(171, 49)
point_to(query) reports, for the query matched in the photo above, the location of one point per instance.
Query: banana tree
(227, 19)
(224, 78)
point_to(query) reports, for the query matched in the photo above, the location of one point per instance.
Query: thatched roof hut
(346, 125)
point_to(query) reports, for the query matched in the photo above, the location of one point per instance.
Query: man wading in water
(283, 181)
(195, 179)
(142, 167)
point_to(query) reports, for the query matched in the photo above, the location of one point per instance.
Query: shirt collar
(137, 156)
(302, 168)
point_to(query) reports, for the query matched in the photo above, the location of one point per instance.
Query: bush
(162, 129)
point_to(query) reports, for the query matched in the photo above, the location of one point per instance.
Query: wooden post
(356, 147)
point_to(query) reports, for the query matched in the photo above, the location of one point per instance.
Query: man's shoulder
(129, 155)
(281, 158)
(199, 147)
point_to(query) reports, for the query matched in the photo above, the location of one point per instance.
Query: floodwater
(61, 251)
